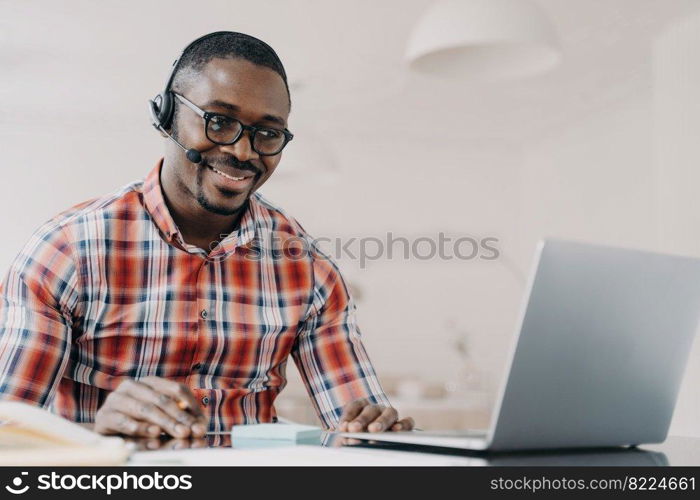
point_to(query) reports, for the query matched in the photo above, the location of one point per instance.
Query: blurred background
(598, 143)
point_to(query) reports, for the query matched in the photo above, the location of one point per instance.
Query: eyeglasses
(224, 130)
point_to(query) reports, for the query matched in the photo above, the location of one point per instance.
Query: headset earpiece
(154, 112)
(165, 108)
(161, 110)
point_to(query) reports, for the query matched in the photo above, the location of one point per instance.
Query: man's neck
(197, 225)
(202, 232)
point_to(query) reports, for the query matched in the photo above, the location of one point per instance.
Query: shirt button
(204, 314)
(205, 400)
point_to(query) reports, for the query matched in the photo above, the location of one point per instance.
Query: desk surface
(217, 449)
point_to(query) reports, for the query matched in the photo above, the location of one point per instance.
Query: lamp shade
(483, 39)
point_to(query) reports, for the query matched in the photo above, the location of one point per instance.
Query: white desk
(218, 452)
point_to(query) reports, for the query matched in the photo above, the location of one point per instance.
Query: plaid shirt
(108, 290)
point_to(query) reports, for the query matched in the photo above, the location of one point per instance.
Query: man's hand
(362, 416)
(150, 406)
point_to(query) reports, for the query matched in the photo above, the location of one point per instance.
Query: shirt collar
(242, 236)
(154, 202)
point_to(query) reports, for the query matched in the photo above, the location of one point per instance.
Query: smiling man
(173, 304)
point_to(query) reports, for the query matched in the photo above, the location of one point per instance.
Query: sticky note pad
(284, 432)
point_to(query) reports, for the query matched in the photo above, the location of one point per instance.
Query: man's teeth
(226, 175)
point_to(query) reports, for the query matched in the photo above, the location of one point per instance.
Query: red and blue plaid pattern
(108, 290)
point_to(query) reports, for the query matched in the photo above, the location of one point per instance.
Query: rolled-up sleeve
(329, 352)
(37, 297)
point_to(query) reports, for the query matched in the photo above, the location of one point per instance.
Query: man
(168, 306)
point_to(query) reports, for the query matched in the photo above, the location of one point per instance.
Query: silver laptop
(604, 339)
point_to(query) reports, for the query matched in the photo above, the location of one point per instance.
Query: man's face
(255, 95)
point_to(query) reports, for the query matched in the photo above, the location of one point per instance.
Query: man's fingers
(116, 422)
(142, 402)
(366, 416)
(405, 424)
(177, 395)
(144, 392)
(351, 411)
(180, 393)
(385, 420)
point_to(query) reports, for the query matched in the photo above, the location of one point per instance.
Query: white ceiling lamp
(483, 39)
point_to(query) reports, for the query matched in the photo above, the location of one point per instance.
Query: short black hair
(225, 45)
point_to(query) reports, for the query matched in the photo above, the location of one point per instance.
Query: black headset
(162, 106)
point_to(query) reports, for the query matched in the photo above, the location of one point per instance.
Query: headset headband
(176, 63)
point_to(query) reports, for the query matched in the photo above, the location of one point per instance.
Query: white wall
(410, 310)
(594, 179)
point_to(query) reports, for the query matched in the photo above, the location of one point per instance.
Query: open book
(30, 435)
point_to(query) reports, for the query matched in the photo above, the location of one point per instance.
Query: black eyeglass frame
(207, 116)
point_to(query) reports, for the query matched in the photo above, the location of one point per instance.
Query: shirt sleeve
(37, 296)
(328, 351)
